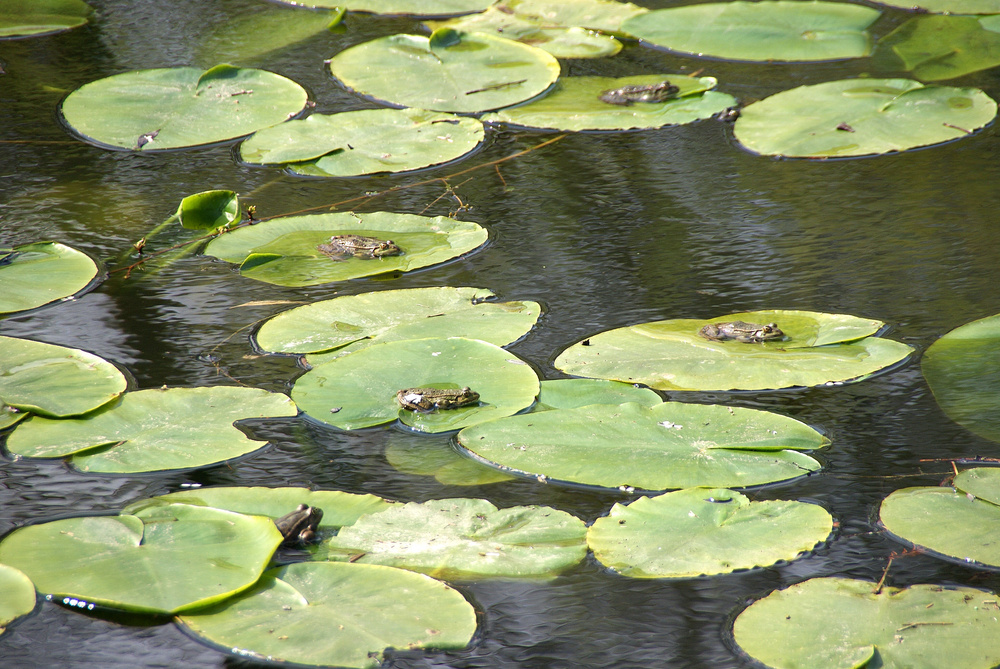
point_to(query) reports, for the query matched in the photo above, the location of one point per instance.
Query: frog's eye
(771, 327)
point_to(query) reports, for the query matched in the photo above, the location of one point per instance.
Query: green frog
(299, 526)
(358, 246)
(748, 333)
(626, 95)
(429, 399)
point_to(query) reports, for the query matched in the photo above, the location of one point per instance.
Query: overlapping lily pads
(670, 355)
(178, 107)
(962, 523)
(962, 370)
(18, 595)
(939, 47)
(283, 251)
(364, 142)
(161, 560)
(42, 272)
(152, 430)
(54, 380)
(465, 538)
(948, 6)
(359, 390)
(334, 614)
(704, 531)
(769, 30)
(574, 104)
(332, 328)
(449, 71)
(840, 622)
(19, 18)
(670, 445)
(861, 117)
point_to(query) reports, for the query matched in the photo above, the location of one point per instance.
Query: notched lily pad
(21, 18)
(40, 273)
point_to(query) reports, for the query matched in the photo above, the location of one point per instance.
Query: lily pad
(365, 142)
(670, 355)
(574, 104)
(861, 117)
(161, 561)
(465, 539)
(407, 7)
(943, 47)
(981, 482)
(283, 251)
(840, 622)
(961, 369)
(244, 37)
(704, 531)
(43, 272)
(350, 323)
(766, 31)
(573, 393)
(209, 210)
(9, 416)
(336, 614)
(948, 6)
(449, 71)
(18, 595)
(359, 390)
(604, 15)
(670, 445)
(54, 380)
(179, 107)
(417, 454)
(153, 430)
(20, 18)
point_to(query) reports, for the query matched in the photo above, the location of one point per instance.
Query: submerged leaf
(943, 47)
(417, 454)
(19, 18)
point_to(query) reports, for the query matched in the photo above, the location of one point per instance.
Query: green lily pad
(9, 416)
(949, 6)
(465, 538)
(161, 561)
(283, 251)
(766, 31)
(450, 71)
(19, 18)
(365, 142)
(54, 380)
(359, 390)
(245, 37)
(960, 369)
(704, 531)
(339, 508)
(336, 614)
(43, 272)
(670, 355)
(18, 595)
(574, 104)
(179, 107)
(574, 393)
(604, 15)
(407, 7)
(861, 117)
(981, 482)
(942, 47)
(153, 430)
(420, 455)
(346, 324)
(209, 210)
(670, 445)
(840, 622)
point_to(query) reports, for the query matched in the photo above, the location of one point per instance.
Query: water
(604, 229)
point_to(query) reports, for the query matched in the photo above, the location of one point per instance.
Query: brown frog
(299, 526)
(748, 333)
(429, 399)
(342, 247)
(626, 95)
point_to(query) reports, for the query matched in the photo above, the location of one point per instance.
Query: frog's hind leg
(332, 252)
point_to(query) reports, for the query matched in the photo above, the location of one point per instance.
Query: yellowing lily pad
(35, 274)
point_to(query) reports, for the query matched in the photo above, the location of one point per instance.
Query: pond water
(604, 229)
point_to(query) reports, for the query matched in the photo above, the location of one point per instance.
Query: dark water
(604, 229)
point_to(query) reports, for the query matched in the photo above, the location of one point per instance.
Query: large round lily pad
(948, 6)
(704, 531)
(840, 622)
(861, 117)
(962, 370)
(345, 324)
(670, 445)
(464, 538)
(162, 560)
(817, 349)
(54, 380)
(769, 30)
(449, 71)
(574, 104)
(18, 595)
(43, 272)
(364, 142)
(19, 18)
(359, 390)
(152, 430)
(283, 251)
(177, 107)
(334, 614)
(935, 47)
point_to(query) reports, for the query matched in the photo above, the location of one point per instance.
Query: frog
(626, 95)
(342, 247)
(428, 399)
(748, 333)
(299, 526)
